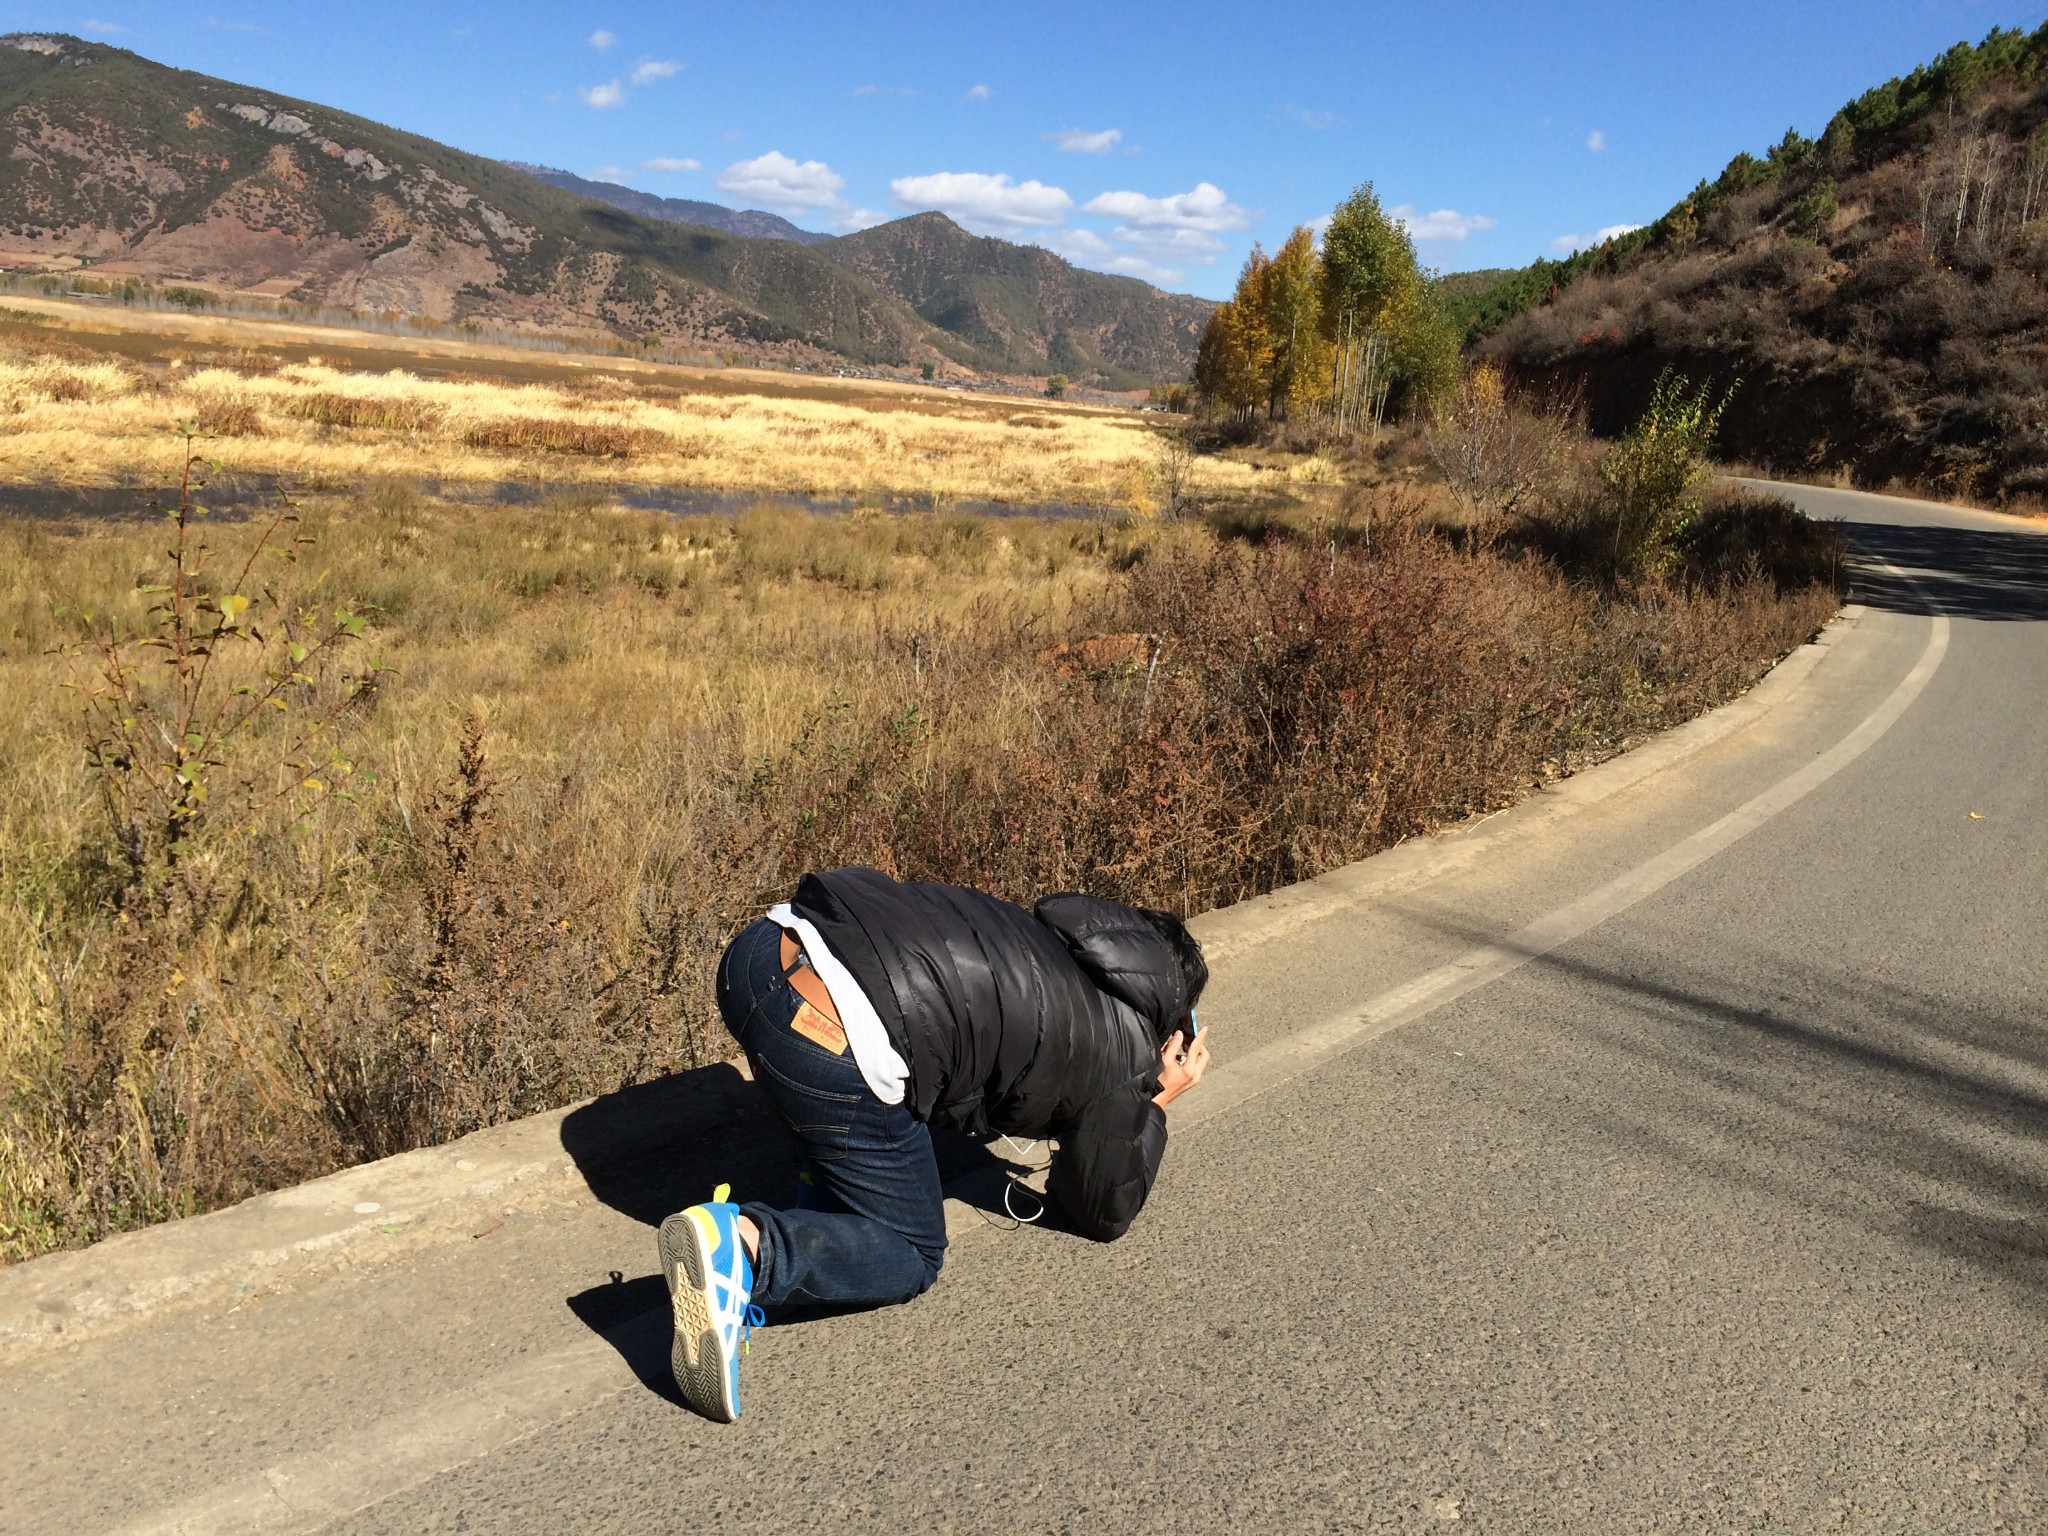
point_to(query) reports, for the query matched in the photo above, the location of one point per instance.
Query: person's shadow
(650, 1150)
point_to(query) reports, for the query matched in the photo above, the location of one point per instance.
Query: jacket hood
(1122, 954)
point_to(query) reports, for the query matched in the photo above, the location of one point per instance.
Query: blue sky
(1155, 139)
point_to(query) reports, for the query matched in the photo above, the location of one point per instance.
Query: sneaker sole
(698, 1364)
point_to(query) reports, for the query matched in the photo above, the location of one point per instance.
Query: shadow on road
(1917, 1116)
(652, 1149)
(1964, 572)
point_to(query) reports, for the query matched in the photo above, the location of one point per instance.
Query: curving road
(1672, 1157)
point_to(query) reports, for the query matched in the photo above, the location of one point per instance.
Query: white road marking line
(406, 1449)
(418, 1444)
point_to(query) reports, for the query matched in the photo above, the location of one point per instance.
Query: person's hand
(1181, 1066)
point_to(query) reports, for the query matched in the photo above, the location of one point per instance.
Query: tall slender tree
(1340, 331)
(1293, 293)
(1234, 362)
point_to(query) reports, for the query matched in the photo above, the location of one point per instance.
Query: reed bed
(66, 421)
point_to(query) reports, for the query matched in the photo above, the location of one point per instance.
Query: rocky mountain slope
(151, 172)
(1878, 296)
(754, 223)
(1022, 303)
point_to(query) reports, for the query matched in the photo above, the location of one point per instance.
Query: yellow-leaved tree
(1341, 332)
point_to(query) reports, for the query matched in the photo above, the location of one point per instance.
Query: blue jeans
(870, 1225)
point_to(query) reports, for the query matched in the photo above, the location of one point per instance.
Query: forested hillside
(1875, 294)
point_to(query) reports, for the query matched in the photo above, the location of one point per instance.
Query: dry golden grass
(74, 422)
(627, 668)
(607, 737)
(676, 716)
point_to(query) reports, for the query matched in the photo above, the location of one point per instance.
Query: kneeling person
(871, 1010)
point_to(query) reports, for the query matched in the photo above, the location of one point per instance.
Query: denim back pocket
(821, 1115)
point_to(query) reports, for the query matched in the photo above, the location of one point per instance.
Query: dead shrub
(397, 414)
(1271, 711)
(222, 415)
(1498, 454)
(554, 434)
(498, 995)
(1195, 720)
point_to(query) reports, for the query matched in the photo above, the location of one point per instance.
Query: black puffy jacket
(1044, 1023)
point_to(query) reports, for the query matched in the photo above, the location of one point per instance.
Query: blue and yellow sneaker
(710, 1285)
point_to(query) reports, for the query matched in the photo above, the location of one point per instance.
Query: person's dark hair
(1194, 970)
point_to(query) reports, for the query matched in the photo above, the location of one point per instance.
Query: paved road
(1706, 1192)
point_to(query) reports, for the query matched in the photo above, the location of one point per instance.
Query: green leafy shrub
(1652, 475)
(1813, 213)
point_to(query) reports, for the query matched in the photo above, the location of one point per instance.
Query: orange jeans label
(818, 1029)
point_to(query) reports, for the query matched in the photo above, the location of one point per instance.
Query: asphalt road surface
(1679, 1167)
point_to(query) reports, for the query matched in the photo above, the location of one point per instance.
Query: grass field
(493, 874)
(81, 407)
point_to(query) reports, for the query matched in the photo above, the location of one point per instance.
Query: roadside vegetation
(355, 829)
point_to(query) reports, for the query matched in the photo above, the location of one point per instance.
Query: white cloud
(1311, 118)
(1596, 141)
(103, 28)
(1564, 245)
(1206, 208)
(610, 94)
(1140, 268)
(1443, 224)
(984, 203)
(1076, 244)
(979, 93)
(847, 220)
(600, 39)
(1085, 248)
(775, 181)
(1191, 245)
(612, 173)
(1156, 233)
(647, 71)
(670, 163)
(1079, 141)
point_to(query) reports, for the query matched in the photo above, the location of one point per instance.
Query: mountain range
(141, 170)
(754, 223)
